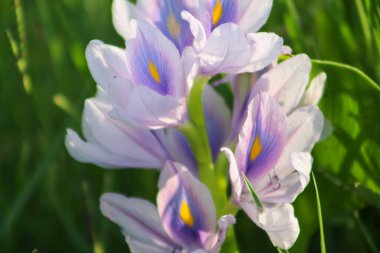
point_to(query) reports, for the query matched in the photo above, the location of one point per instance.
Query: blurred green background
(49, 202)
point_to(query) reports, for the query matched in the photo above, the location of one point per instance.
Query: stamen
(154, 72)
(173, 26)
(255, 149)
(185, 214)
(217, 12)
(275, 182)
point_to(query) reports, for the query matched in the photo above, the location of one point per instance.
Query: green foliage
(49, 202)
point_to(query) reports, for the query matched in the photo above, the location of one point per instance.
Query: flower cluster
(157, 108)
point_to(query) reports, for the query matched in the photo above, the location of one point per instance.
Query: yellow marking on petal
(185, 214)
(217, 12)
(256, 149)
(154, 72)
(173, 26)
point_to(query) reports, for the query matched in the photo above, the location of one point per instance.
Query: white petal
(278, 222)
(227, 50)
(292, 184)
(265, 48)
(286, 82)
(105, 62)
(253, 14)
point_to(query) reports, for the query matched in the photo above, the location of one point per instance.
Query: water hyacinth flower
(273, 152)
(112, 144)
(184, 220)
(148, 82)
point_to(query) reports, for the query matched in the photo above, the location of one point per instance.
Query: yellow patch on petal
(256, 149)
(154, 72)
(217, 12)
(173, 26)
(185, 214)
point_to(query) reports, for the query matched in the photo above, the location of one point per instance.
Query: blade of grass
(27, 192)
(347, 67)
(320, 219)
(365, 232)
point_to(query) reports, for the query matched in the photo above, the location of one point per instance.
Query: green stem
(350, 68)
(196, 134)
(320, 220)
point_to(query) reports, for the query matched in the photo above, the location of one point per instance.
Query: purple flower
(184, 220)
(273, 152)
(147, 83)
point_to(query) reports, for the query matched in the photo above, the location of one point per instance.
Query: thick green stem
(196, 133)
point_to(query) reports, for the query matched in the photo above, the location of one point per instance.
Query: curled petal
(186, 208)
(138, 219)
(278, 222)
(235, 173)
(314, 93)
(196, 29)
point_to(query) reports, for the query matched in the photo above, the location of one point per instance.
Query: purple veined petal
(278, 222)
(315, 90)
(186, 208)
(139, 221)
(218, 119)
(226, 51)
(224, 223)
(262, 138)
(171, 23)
(253, 14)
(223, 11)
(286, 189)
(110, 143)
(286, 82)
(265, 49)
(105, 62)
(305, 127)
(152, 59)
